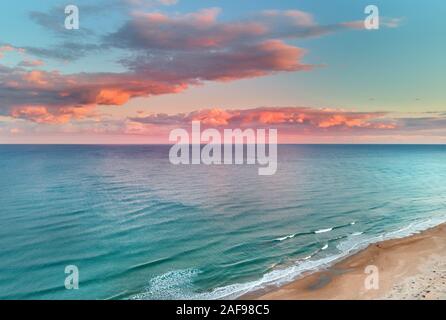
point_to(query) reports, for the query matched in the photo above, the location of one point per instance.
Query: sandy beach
(409, 268)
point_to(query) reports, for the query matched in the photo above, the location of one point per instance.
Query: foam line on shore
(278, 277)
(319, 231)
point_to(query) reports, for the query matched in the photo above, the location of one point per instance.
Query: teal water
(138, 227)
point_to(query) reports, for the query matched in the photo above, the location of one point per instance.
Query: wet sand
(408, 268)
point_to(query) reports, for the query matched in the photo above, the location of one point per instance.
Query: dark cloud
(54, 21)
(66, 51)
(202, 30)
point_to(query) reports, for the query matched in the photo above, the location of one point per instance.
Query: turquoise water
(138, 227)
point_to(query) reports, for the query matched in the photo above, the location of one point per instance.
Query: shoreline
(412, 267)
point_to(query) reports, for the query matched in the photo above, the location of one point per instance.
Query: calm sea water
(138, 227)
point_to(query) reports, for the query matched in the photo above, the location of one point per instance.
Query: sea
(134, 226)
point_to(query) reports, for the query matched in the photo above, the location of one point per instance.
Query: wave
(359, 240)
(325, 247)
(169, 286)
(323, 230)
(294, 235)
(178, 284)
(291, 236)
(172, 285)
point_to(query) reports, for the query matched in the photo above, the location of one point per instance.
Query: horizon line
(203, 144)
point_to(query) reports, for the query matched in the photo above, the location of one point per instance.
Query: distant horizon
(203, 144)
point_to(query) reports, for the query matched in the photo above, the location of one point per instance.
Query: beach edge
(412, 267)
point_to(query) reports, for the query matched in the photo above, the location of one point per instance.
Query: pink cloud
(169, 53)
(295, 118)
(294, 124)
(35, 77)
(20, 87)
(9, 48)
(41, 114)
(190, 31)
(31, 63)
(202, 30)
(57, 93)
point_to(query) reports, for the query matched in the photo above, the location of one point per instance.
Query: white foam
(316, 232)
(324, 230)
(273, 278)
(361, 240)
(176, 284)
(180, 281)
(285, 238)
(347, 248)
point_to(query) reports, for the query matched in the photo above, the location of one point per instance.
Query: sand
(407, 268)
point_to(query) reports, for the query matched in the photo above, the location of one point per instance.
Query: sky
(137, 69)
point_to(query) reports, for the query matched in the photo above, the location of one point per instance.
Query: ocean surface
(138, 227)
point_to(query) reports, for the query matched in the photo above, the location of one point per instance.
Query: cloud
(5, 48)
(423, 123)
(41, 114)
(146, 77)
(384, 22)
(302, 124)
(23, 90)
(157, 33)
(150, 3)
(70, 44)
(302, 118)
(64, 51)
(234, 51)
(166, 54)
(193, 31)
(202, 30)
(245, 61)
(31, 63)
(54, 20)
(294, 124)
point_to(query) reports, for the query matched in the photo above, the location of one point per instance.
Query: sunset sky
(137, 69)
